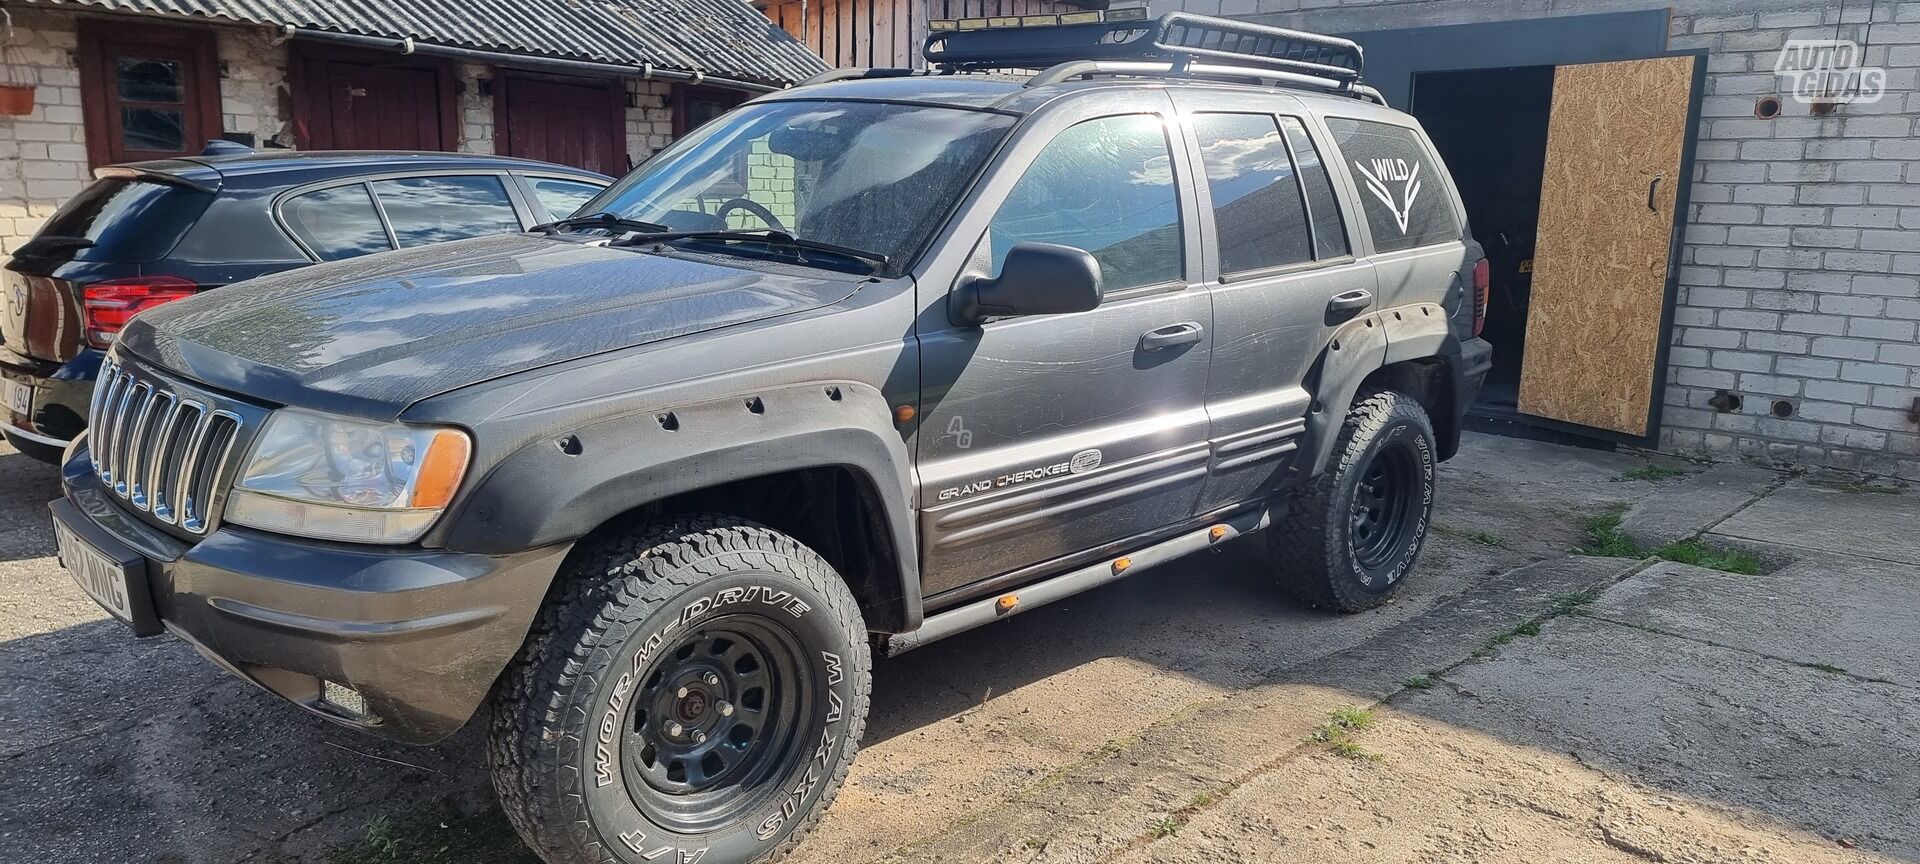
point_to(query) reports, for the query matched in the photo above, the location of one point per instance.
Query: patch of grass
(1485, 539)
(1201, 799)
(1531, 628)
(1418, 682)
(1828, 668)
(486, 837)
(1856, 485)
(1348, 749)
(1702, 555)
(1604, 539)
(1165, 826)
(1574, 604)
(1653, 472)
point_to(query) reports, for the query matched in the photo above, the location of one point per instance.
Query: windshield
(875, 177)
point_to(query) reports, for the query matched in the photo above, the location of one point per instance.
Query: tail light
(1482, 290)
(111, 304)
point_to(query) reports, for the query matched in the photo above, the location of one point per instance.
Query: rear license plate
(115, 580)
(19, 397)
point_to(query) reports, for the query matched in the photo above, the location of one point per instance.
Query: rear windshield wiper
(598, 220)
(759, 235)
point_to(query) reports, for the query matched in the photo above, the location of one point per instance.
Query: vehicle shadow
(26, 485)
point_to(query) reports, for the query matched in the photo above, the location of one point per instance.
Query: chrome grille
(162, 452)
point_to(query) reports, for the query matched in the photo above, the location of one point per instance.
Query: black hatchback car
(146, 233)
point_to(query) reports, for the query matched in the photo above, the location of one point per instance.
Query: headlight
(334, 478)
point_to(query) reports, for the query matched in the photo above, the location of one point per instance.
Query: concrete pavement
(1675, 714)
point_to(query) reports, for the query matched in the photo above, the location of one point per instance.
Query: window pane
(153, 129)
(146, 80)
(1105, 186)
(336, 223)
(1404, 199)
(1258, 213)
(1329, 231)
(436, 209)
(562, 198)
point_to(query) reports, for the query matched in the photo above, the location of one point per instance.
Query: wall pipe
(500, 58)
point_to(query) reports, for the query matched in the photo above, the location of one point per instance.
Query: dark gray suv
(861, 364)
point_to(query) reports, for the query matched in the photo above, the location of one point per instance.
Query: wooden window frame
(446, 74)
(684, 92)
(102, 41)
(616, 88)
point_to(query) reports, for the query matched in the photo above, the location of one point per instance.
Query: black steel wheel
(1350, 535)
(693, 690)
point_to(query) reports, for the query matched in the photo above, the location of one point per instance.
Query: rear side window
(1258, 214)
(1105, 186)
(119, 219)
(336, 222)
(1405, 202)
(562, 198)
(426, 210)
(1329, 230)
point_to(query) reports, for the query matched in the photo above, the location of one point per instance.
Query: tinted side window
(1105, 186)
(562, 198)
(1258, 213)
(1405, 203)
(426, 210)
(1329, 231)
(337, 222)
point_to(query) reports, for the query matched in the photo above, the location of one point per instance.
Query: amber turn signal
(1006, 603)
(1120, 565)
(441, 470)
(1217, 532)
(903, 413)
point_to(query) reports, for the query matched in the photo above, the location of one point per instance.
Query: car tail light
(111, 304)
(1482, 290)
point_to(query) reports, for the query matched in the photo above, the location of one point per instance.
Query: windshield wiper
(602, 219)
(759, 235)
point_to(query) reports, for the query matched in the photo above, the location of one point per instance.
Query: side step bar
(988, 610)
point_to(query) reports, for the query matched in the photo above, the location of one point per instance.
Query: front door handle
(1350, 301)
(1185, 333)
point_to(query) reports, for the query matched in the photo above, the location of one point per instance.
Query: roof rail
(1209, 71)
(1176, 39)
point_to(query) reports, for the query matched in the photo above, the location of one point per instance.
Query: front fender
(546, 493)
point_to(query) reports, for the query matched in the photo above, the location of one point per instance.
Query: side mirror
(1037, 279)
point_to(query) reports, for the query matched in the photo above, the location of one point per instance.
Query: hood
(373, 335)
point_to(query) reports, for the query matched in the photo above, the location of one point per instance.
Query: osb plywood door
(1614, 149)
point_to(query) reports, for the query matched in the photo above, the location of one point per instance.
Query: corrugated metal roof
(725, 38)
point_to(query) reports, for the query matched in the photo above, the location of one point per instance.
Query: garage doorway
(569, 121)
(1572, 179)
(354, 100)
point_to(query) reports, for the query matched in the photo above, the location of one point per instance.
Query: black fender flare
(545, 493)
(1362, 347)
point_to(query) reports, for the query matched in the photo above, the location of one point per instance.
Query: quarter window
(1329, 231)
(1105, 186)
(1258, 213)
(562, 198)
(1399, 184)
(336, 222)
(425, 210)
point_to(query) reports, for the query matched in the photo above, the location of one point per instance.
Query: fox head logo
(1395, 171)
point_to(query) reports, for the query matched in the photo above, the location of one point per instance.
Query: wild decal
(1396, 171)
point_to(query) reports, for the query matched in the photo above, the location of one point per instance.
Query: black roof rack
(1176, 39)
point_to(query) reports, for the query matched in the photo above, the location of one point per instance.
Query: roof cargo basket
(1177, 40)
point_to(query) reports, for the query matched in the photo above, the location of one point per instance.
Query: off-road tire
(579, 682)
(1313, 546)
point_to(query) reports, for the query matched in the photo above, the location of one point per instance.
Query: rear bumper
(58, 410)
(419, 634)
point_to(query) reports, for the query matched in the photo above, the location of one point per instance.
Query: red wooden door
(578, 123)
(362, 106)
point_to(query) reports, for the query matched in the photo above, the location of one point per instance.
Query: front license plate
(19, 397)
(116, 581)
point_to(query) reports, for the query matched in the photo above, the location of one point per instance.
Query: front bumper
(419, 634)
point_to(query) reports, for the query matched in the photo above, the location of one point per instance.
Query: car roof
(286, 167)
(1010, 93)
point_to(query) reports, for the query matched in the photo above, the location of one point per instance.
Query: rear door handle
(1350, 301)
(1184, 333)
